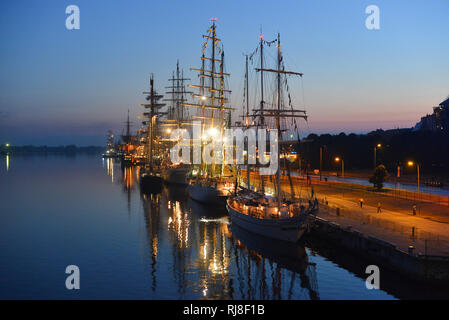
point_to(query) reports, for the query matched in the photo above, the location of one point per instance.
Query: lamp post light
(375, 154)
(411, 164)
(321, 161)
(338, 159)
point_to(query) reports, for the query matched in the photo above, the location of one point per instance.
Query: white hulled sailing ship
(177, 118)
(282, 216)
(208, 183)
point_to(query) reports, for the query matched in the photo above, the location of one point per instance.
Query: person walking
(361, 203)
(379, 207)
(414, 209)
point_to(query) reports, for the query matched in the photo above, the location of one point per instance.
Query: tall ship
(177, 117)
(128, 146)
(150, 172)
(209, 181)
(275, 214)
(110, 146)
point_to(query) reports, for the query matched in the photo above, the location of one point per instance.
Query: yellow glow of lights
(203, 98)
(7, 145)
(168, 130)
(213, 132)
(337, 159)
(379, 145)
(410, 163)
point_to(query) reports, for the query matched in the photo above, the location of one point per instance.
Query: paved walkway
(427, 236)
(428, 231)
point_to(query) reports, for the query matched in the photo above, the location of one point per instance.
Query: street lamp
(321, 160)
(338, 159)
(375, 153)
(411, 164)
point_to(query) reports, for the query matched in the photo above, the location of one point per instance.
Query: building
(438, 121)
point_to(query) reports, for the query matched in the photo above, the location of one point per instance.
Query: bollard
(338, 211)
(410, 250)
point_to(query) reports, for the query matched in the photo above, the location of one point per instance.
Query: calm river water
(81, 210)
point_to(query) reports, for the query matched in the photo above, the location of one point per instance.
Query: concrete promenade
(427, 231)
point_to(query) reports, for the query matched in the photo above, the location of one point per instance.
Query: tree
(379, 176)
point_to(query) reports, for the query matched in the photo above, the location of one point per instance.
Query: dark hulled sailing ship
(128, 146)
(150, 173)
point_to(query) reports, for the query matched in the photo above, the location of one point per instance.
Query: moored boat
(150, 182)
(279, 217)
(176, 175)
(213, 113)
(206, 194)
(150, 176)
(261, 215)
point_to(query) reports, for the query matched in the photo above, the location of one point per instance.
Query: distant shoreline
(68, 149)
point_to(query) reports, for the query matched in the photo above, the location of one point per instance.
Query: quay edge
(420, 267)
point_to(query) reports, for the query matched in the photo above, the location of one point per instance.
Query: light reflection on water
(214, 260)
(90, 212)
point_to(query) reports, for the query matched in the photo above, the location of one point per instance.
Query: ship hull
(207, 195)
(176, 176)
(150, 183)
(110, 155)
(290, 230)
(126, 162)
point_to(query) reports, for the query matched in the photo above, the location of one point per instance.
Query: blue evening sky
(61, 87)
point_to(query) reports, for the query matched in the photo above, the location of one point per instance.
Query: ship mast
(151, 128)
(127, 126)
(211, 104)
(279, 113)
(262, 120)
(278, 125)
(247, 122)
(175, 115)
(151, 120)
